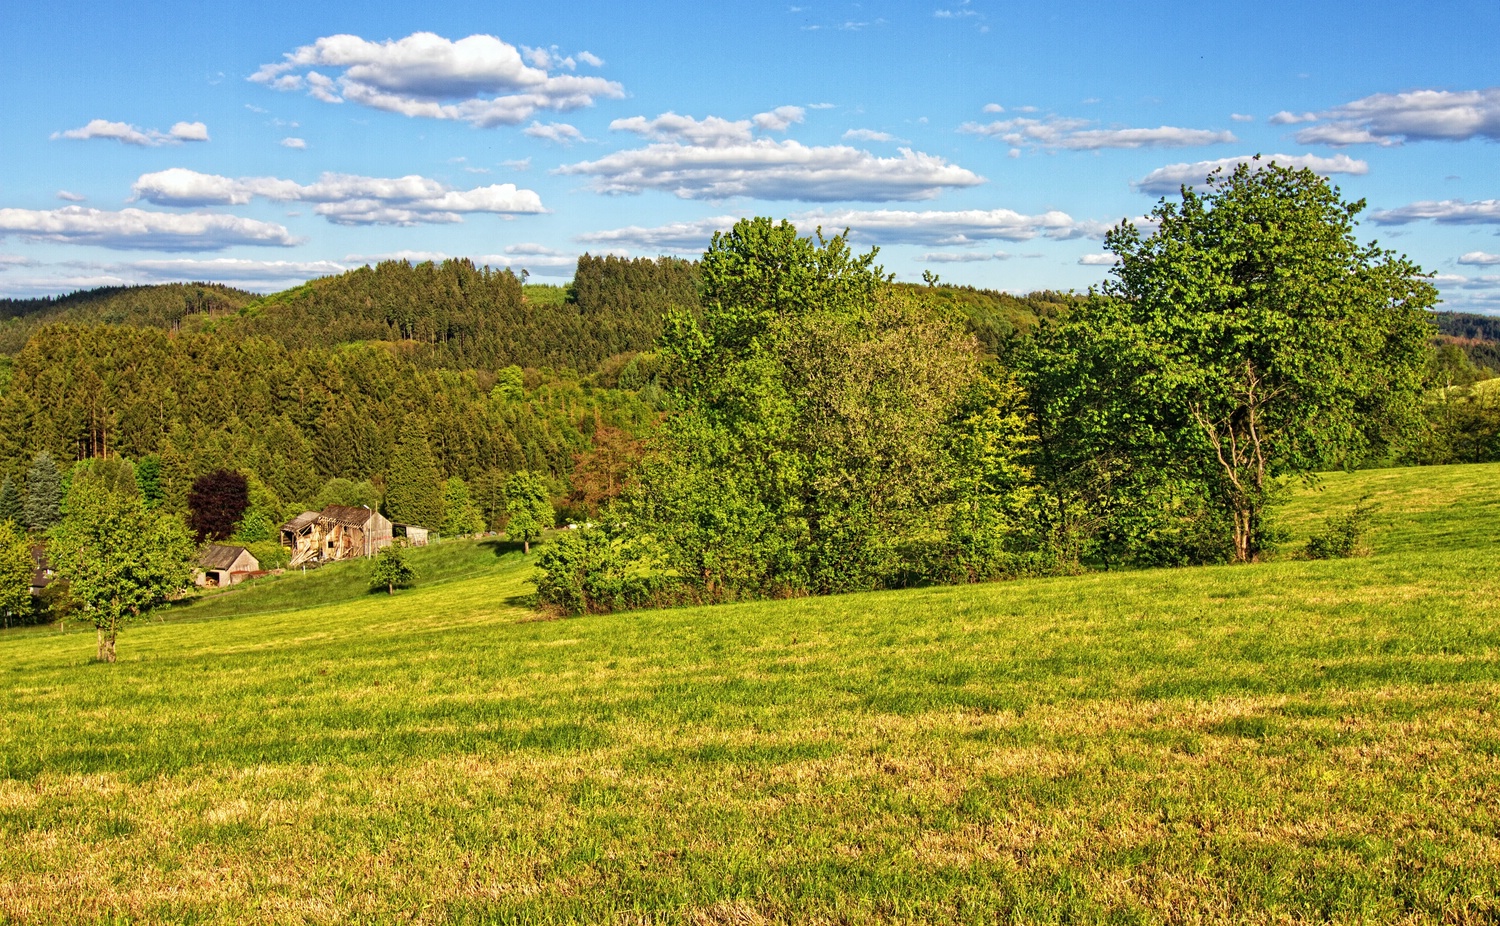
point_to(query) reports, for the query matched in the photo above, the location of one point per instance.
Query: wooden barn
(222, 565)
(337, 532)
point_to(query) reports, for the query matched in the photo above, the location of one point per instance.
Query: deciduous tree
(15, 574)
(217, 502)
(393, 568)
(529, 509)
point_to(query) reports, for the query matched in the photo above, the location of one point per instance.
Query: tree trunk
(106, 646)
(525, 547)
(390, 588)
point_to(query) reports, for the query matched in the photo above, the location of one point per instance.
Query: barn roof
(300, 521)
(349, 515)
(219, 556)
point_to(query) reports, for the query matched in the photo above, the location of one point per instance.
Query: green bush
(1342, 534)
(588, 571)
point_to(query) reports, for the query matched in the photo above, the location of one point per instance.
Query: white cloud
(1418, 115)
(67, 197)
(239, 270)
(296, 143)
(521, 164)
(867, 135)
(1167, 180)
(1290, 118)
(1241, 117)
(779, 119)
(480, 79)
(993, 108)
(1098, 260)
(767, 169)
(1444, 212)
(1077, 134)
(127, 134)
(711, 131)
(8, 261)
(963, 257)
(879, 226)
(591, 59)
(1479, 259)
(345, 199)
(139, 229)
(556, 132)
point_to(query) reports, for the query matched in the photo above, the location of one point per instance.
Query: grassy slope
(1293, 741)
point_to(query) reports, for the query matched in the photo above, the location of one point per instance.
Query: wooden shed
(338, 532)
(222, 565)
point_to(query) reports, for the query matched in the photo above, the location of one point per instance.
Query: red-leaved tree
(217, 501)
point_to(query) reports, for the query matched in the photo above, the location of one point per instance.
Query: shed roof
(350, 515)
(300, 521)
(219, 556)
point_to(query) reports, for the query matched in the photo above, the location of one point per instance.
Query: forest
(779, 417)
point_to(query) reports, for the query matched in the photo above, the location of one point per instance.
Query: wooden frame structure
(338, 532)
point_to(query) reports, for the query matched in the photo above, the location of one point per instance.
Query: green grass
(1288, 742)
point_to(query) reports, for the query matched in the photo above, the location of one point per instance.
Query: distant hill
(1478, 335)
(163, 306)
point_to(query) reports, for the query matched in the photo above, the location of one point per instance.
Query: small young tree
(216, 503)
(15, 574)
(44, 493)
(11, 508)
(393, 568)
(118, 557)
(529, 509)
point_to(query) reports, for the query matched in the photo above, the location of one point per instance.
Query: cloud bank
(1167, 180)
(127, 134)
(131, 229)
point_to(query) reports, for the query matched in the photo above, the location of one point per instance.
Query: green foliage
(528, 507)
(1250, 339)
(269, 553)
(15, 574)
(148, 481)
(392, 568)
(165, 306)
(44, 493)
(118, 557)
(593, 571)
(510, 385)
(262, 519)
(11, 509)
(1342, 534)
(413, 488)
(348, 493)
(460, 515)
(116, 474)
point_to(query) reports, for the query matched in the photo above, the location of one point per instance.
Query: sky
(991, 143)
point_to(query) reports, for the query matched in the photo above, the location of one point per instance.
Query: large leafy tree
(528, 507)
(15, 573)
(118, 557)
(1269, 341)
(217, 502)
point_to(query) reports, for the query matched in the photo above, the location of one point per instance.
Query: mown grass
(1288, 742)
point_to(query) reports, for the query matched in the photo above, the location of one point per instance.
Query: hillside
(1293, 741)
(163, 306)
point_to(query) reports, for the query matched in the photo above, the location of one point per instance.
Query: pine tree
(148, 481)
(44, 493)
(10, 503)
(414, 490)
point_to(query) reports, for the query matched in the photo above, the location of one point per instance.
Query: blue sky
(991, 143)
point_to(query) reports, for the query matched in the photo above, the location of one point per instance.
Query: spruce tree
(44, 493)
(413, 488)
(10, 503)
(148, 481)
(460, 514)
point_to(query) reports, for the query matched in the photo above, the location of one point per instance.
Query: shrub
(587, 572)
(1341, 534)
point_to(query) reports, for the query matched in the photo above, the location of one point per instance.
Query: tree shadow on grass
(501, 547)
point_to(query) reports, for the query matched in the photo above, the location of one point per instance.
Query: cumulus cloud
(345, 199)
(1290, 118)
(1241, 117)
(1479, 259)
(867, 135)
(1098, 260)
(711, 131)
(1167, 180)
(767, 169)
(67, 197)
(779, 119)
(559, 133)
(140, 229)
(963, 257)
(480, 80)
(1443, 212)
(127, 134)
(294, 143)
(1395, 118)
(934, 228)
(1080, 135)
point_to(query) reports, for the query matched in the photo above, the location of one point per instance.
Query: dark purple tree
(217, 501)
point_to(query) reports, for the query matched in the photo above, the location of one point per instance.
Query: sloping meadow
(1292, 741)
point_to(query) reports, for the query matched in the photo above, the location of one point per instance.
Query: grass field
(1287, 742)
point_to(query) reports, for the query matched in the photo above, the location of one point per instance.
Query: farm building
(222, 565)
(337, 532)
(41, 569)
